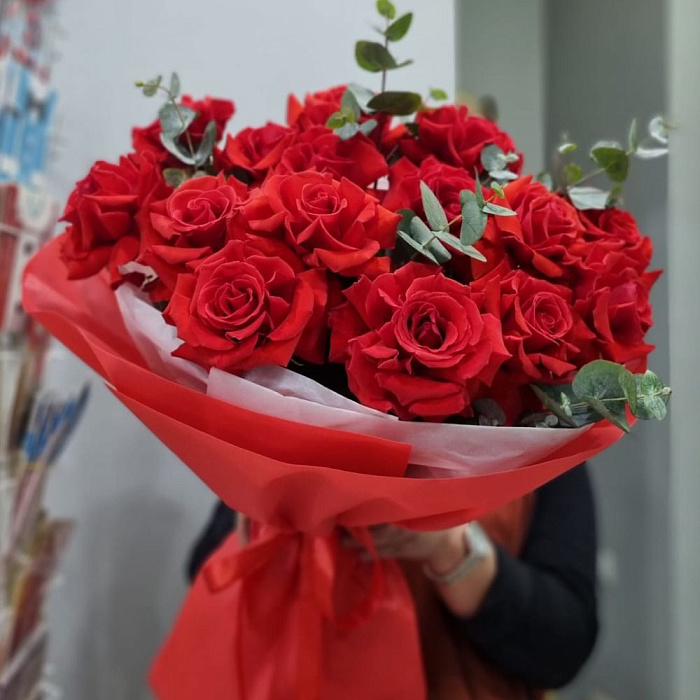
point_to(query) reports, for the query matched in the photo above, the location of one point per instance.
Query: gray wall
(607, 64)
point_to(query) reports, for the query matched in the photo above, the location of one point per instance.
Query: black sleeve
(539, 620)
(221, 523)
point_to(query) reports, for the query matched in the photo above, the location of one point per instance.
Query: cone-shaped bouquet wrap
(340, 322)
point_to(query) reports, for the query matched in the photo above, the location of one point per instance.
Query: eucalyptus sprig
(603, 389)
(175, 121)
(432, 239)
(612, 159)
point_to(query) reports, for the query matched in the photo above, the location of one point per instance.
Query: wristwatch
(478, 546)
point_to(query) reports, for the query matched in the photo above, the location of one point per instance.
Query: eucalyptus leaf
(633, 136)
(600, 385)
(348, 130)
(490, 411)
(612, 158)
(374, 57)
(428, 240)
(451, 241)
(150, 87)
(350, 105)
(573, 173)
(433, 209)
(386, 9)
(659, 129)
(503, 175)
(550, 396)
(362, 95)
(497, 210)
(174, 147)
(397, 30)
(369, 126)
(174, 85)
(336, 120)
(417, 246)
(652, 396)
(473, 219)
(493, 158)
(206, 146)
(396, 103)
(498, 189)
(546, 179)
(566, 148)
(481, 202)
(175, 120)
(649, 153)
(175, 176)
(438, 94)
(588, 198)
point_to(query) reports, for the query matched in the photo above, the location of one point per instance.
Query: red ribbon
(318, 569)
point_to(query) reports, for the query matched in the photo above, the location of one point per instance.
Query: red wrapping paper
(248, 635)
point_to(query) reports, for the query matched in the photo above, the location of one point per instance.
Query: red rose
(545, 336)
(102, 211)
(247, 305)
(318, 148)
(430, 345)
(543, 238)
(616, 230)
(209, 109)
(190, 224)
(454, 137)
(331, 224)
(614, 302)
(445, 181)
(316, 108)
(255, 151)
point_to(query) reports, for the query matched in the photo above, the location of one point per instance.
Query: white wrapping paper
(439, 450)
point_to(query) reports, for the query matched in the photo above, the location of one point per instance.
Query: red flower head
(247, 305)
(318, 148)
(253, 152)
(329, 223)
(316, 108)
(454, 137)
(418, 344)
(543, 238)
(545, 336)
(189, 225)
(209, 109)
(445, 181)
(102, 213)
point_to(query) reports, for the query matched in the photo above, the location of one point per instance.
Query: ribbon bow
(317, 566)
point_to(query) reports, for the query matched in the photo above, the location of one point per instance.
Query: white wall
(137, 508)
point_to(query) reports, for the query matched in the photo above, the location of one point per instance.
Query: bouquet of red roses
(313, 315)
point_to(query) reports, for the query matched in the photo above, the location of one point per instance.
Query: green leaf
(175, 176)
(438, 94)
(615, 194)
(498, 189)
(386, 9)
(566, 148)
(497, 210)
(546, 179)
(397, 30)
(552, 397)
(428, 240)
(174, 147)
(374, 57)
(362, 95)
(174, 85)
(433, 209)
(175, 120)
(659, 129)
(417, 246)
(649, 153)
(347, 131)
(369, 126)
(396, 103)
(350, 104)
(600, 385)
(493, 158)
(448, 239)
(206, 146)
(479, 193)
(503, 175)
(473, 219)
(612, 158)
(652, 396)
(150, 87)
(588, 198)
(633, 136)
(336, 120)
(573, 173)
